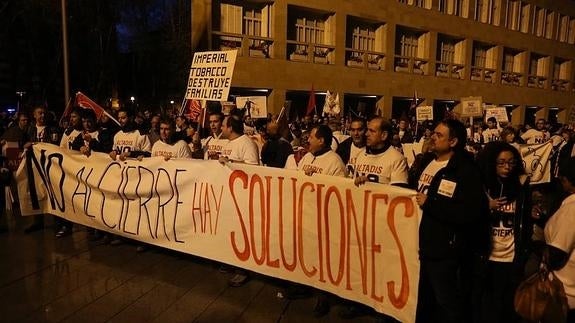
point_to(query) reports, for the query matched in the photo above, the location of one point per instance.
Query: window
(563, 29)
(363, 39)
(571, 36)
(230, 18)
(513, 15)
(453, 7)
(484, 10)
(540, 18)
(310, 30)
(479, 56)
(549, 21)
(408, 45)
(524, 18)
(508, 59)
(447, 51)
(253, 22)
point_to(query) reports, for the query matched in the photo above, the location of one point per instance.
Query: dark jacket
(457, 226)
(275, 152)
(344, 150)
(51, 135)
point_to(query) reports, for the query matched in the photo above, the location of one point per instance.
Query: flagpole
(65, 51)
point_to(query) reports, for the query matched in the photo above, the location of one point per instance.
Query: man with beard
(40, 132)
(73, 130)
(168, 146)
(129, 142)
(350, 148)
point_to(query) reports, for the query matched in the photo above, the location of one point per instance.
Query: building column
(518, 116)
(542, 113)
(276, 100)
(384, 106)
(279, 17)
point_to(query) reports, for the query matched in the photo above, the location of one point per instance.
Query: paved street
(72, 279)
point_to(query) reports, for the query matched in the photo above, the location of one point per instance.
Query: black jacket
(457, 226)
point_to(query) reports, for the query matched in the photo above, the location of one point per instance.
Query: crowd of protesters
(483, 227)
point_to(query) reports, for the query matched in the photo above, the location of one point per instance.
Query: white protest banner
(411, 150)
(500, 114)
(536, 161)
(211, 75)
(360, 243)
(257, 105)
(424, 113)
(472, 107)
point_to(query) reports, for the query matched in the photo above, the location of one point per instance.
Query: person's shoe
(238, 279)
(64, 231)
(96, 236)
(224, 269)
(321, 307)
(106, 239)
(116, 242)
(349, 312)
(293, 292)
(141, 248)
(34, 227)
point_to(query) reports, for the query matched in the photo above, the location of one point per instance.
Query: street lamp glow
(171, 101)
(132, 99)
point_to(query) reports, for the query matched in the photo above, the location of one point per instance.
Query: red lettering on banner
(288, 266)
(300, 252)
(360, 239)
(257, 180)
(271, 263)
(245, 254)
(319, 205)
(375, 247)
(400, 300)
(332, 190)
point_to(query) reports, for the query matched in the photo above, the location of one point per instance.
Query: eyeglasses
(510, 163)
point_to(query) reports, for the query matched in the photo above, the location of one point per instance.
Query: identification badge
(446, 188)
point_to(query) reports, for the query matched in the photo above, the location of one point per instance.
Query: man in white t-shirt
(350, 148)
(215, 143)
(239, 149)
(538, 135)
(379, 162)
(129, 142)
(166, 147)
(560, 237)
(73, 130)
(320, 158)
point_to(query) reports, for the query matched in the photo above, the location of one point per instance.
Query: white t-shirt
(533, 136)
(131, 141)
(337, 138)
(213, 146)
(388, 167)
(503, 235)
(67, 140)
(490, 135)
(354, 152)
(40, 133)
(180, 149)
(328, 163)
(243, 149)
(428, 174)
(560, 233)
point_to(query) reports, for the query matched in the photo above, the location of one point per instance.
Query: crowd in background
(483, 229)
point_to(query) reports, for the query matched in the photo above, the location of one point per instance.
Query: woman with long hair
(509, 195)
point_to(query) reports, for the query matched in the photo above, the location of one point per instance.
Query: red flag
(85, 102)
(191, 109)
(311, 102)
